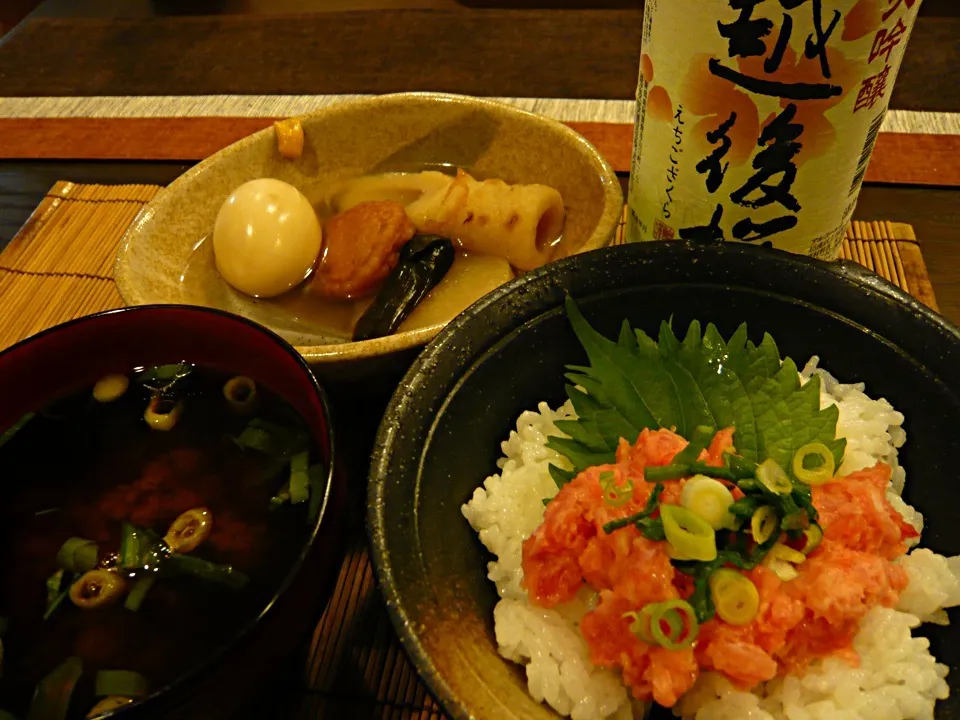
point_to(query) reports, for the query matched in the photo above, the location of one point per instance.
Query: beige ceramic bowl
(158, 263)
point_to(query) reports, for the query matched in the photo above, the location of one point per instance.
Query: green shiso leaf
(702, 381)
(631, 381)
(704, 357)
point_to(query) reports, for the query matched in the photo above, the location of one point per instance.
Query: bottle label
(756, 118)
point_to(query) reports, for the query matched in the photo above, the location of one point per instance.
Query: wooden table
(84, 55)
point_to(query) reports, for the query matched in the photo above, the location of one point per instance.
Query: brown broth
(470, 277)
(98, 465)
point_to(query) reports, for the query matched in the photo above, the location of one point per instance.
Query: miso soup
(143, 522)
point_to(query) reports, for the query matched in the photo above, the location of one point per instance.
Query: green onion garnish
(664, 473)
(299, 479)
(137, 594)
(282, 497)
(271, 439)
(614, 494)
(813, 464)
(712, 471)
(57, 591)
(124, 683)
(702, 435)
(15, 428)
(164, 377)
(51, 700)
(254, 438)
(205, 570)
(140, 548)
(78, 555)
(681, 624)
(640, 517)
(741, 467)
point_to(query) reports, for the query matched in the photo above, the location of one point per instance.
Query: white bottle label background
(756, 118)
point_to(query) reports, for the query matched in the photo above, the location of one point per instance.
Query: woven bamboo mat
(59, 267)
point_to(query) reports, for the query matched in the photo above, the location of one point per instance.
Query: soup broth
(112, 474)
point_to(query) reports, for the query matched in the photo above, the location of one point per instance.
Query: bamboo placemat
(59, 267)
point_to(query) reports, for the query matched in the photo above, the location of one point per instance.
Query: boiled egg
(266, 238)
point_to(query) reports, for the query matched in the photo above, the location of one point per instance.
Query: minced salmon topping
(813, 616)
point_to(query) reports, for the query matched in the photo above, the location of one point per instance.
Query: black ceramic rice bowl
(441, 435)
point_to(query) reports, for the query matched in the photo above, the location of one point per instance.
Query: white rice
(898, 678)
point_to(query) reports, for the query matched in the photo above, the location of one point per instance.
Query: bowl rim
(602, 235)
(213, 659)
(425, 364)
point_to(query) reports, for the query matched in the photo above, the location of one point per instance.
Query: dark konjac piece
(423, 263)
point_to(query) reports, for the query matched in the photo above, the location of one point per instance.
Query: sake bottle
(756, 119)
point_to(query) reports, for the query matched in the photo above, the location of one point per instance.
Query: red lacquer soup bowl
(71, 357)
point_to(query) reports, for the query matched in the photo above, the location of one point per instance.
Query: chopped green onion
(663, 473)
(812, 536)
(641, 623)
(749, 486)
(120, 682)
(163, 377)
(735, 597)
(681, 622)
(97, 588)
(786, 553)
(647, 511)
(15, 428)
(54, 585)
(613, 494)
(708, 498)
(784, 571)
(702, 435)
(652, 529)
(141, 549)
(282, 497)
(57, 591)
(713, 471)
(317, 474)
(745, 507)
(77, 555)
(741, 468)
(823, 467)
(689, 535)
(241, 394)
(796, 520)
(51, 700)
(254, 438)
(674, 623)
(205, 570)
(138, 593)
(299, 479)
(271, 439)
(130, 541)
(773, 477)
(55, 603)
(189, 530)
(763, 524)
(162, 414)
(110, 388)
